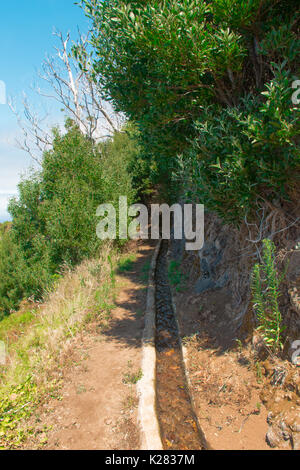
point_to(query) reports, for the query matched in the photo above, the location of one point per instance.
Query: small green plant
(112, 272)
(105, 310)
(126, 264)
(132, 378)
(130, 402)
(258, 407)
(176, 277)
(80, 389)
(239, 345)
(258, 371)
(265, 285)
(145, 271)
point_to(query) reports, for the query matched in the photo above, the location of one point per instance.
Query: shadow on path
(127, 322)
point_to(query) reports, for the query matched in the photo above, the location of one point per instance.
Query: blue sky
(26, 28)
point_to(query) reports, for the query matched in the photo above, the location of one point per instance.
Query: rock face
(220, 275)
(222, 269)
(210, 257)
(284, 430)
(293, 308)
(273, 439)
(219, 285)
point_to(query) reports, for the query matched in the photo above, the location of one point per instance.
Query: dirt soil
(97, 405)
(238, 402)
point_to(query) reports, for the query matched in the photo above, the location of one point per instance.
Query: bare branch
(75, 90)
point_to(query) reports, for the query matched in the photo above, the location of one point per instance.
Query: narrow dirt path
(97, 406)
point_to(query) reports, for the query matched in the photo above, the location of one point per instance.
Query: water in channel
(178, 424)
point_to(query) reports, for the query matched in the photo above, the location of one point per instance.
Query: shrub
(54, 215)
(265, 289)
(210, 81)
(246, 153)
(20, 276)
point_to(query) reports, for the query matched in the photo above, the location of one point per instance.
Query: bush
(20, 276)
(210, 81)
(246, 153)
(54, 216)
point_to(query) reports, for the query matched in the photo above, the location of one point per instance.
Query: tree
(54, 216)
(73, 88)
(209, 82)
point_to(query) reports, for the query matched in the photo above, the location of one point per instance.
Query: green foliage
(4, 227)
(265, 289)
(54, 215)
(132, 377)
(71, 189)
(126, 264)
(245, 152)
(14, 410)
(209, 85)
(175, 275)
(20, 277)
(15, 323)
(158, 60)
(123, 167)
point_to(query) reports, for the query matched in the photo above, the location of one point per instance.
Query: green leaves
(238, 153)
(237, 14)
(281, 44)
(225, 65)
(265, 285)
(229, 52)
(54, 216)
(153, 58)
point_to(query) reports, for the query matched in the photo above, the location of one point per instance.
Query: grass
(132, 378)
(145, 271)
(130, 402)
(13, 326)
(176, 277)
(40, 340)
(126, 263)
(259, 372)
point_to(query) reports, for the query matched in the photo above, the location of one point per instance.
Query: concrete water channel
(179, 427)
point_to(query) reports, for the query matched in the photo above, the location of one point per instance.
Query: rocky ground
(245, 398)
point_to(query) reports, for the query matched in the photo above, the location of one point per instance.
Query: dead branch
(75, 90)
